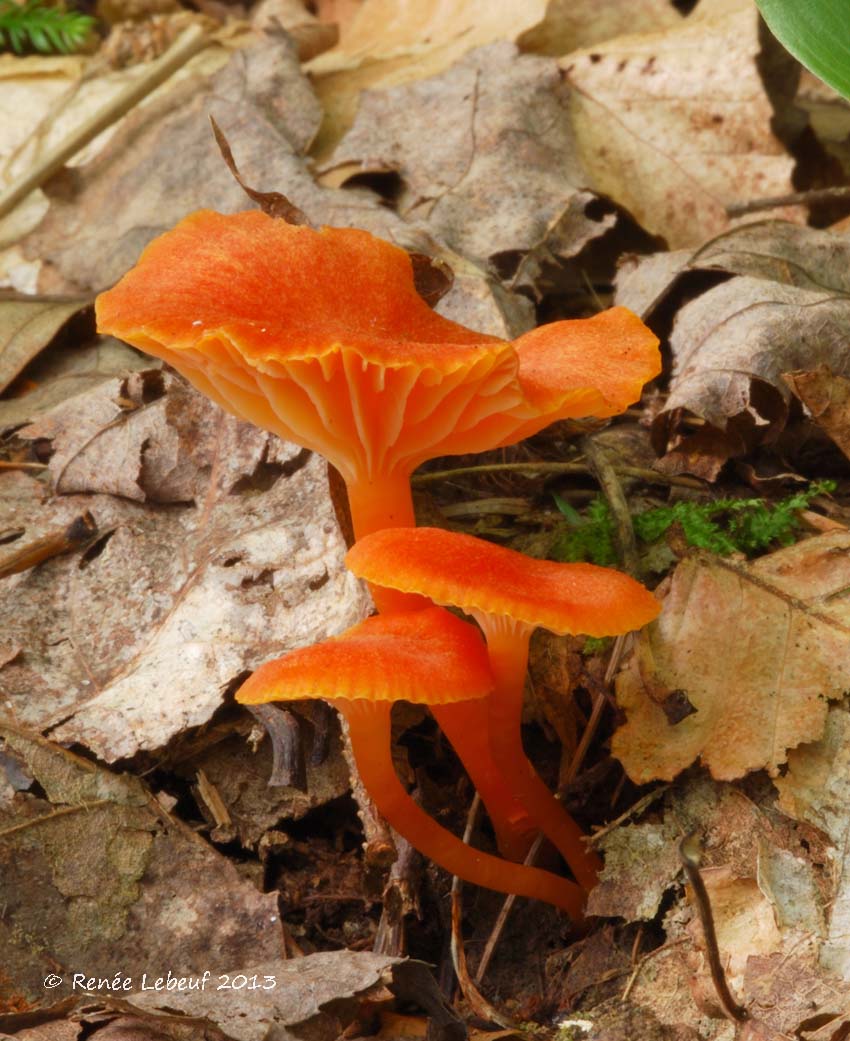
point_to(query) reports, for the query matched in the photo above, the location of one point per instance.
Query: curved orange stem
(508, 650)
(370, 732)
(467, 725)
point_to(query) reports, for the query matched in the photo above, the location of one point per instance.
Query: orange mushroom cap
(480, 577)
(321, 337)
(427, 657)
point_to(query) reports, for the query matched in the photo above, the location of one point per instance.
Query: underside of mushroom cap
(482, 578)
(321, 337)
(426, 657)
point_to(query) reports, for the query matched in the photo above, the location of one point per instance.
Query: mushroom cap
(482, 578)
(427, 657)
(321, 337)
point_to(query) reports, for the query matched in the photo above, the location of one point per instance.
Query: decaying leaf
(143, 635)
(731, 346)
(486, 157)
(676, 125)
(96, 878)
(58, 374)
(827, 397)
(758, 649)
(27, 325)
(817, 789)
(296, 1007)
(268, 112)
(241, 779)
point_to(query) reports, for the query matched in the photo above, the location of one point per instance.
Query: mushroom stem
(384, 503)
(507, 646)
(370, 731)
(466, 724)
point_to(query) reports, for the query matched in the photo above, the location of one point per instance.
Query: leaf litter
(529, 148)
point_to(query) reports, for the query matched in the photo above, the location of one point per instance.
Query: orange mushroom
(509, 595)
(321, 337)
(422, 657)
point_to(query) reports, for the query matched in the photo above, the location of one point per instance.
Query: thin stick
(477, 1002)
(650, 476)
(624, 533)
(814, 195)
(189, 43)
(690, 854)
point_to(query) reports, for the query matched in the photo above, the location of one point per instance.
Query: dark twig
(532, 468)
(690, 853)
(624, 533)
(814, 195)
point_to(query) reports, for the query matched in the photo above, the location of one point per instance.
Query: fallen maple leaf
(758, 649)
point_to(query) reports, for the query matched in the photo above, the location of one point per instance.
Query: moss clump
(34, 26)
(723, 526)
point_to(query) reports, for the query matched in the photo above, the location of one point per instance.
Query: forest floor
(559, 159)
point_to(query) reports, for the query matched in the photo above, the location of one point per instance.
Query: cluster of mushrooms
(321, 337)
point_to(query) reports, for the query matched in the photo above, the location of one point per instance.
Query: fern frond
(48, 30)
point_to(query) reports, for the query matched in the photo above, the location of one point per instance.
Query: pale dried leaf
(27, 326)
(816, 789)
(96, 878)
(487, 159)
(143, 635)
(675, 125)
(758, 650)
(304, 986)
(731, 346)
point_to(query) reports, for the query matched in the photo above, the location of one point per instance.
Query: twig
(650, 476)
(78, 534)
(6, 464)
(690, 853)
(189, 43)
(609, 482)
(638, 807)
(813, 195)
(649, 954)
(477, 1002)
(63, 812)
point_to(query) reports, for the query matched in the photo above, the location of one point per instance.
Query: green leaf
(817, 33)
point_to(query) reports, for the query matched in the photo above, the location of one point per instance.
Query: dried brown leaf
(757, 648)
(676, 125)
(96, 878)
(487, 159)
(144, 635)
(293, 1008)
(27, 325)
(827, 397)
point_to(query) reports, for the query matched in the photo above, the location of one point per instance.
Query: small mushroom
(509, 595)
(424, 657)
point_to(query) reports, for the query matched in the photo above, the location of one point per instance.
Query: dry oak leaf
(675, 125)
(486, 158)
(96, 877)
(757, 648)
(27, 325)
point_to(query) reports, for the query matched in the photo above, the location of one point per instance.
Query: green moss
(723, 526)
(33, 26)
